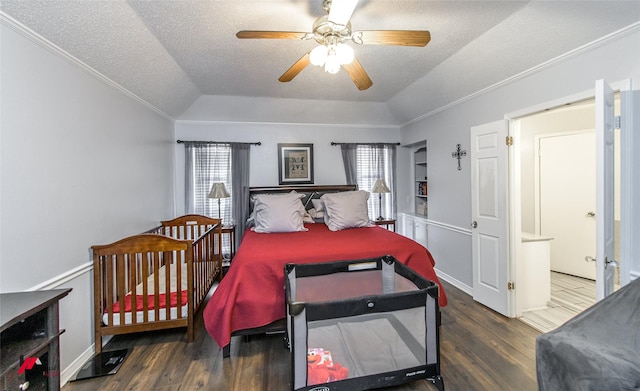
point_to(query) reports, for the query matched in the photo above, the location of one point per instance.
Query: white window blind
(211, 164)
(375, 162)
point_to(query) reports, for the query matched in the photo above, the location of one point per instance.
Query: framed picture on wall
(295, 163)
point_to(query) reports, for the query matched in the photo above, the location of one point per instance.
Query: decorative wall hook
(458, 154)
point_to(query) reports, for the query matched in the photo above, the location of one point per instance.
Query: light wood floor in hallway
(479, 350)
(570, 296)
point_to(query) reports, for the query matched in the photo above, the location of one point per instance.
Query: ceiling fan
(331, 32)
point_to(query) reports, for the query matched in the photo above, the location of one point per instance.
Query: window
(207, 164)
(366, 163)
(211, 164)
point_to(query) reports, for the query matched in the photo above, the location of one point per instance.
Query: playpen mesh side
(372, 341)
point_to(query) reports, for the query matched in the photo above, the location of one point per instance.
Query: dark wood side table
(30, 350)
(387, 223)
(231, 231)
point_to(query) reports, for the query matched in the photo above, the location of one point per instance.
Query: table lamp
(380, 187)
(218, 191)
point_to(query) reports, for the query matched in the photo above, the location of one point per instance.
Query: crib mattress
(177, 303)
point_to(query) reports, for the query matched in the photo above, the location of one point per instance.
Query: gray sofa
(599, 349)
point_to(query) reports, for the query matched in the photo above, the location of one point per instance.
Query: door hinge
(511, 285)
(509, 141)
(617, 122)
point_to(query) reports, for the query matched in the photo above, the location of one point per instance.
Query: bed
(155, 280)
(250, 298)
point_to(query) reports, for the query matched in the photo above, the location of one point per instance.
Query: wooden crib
(180, 260)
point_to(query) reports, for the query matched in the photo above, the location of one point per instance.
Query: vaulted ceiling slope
(174, 53)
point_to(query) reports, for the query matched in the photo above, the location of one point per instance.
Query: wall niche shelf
(421, 189)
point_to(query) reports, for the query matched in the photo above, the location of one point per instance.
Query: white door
(605, 263)
(489, 214)
(568, 201)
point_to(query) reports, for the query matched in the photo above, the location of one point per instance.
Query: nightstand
(387, 223)
(231, 231)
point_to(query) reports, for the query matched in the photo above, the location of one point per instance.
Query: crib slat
(109, 265)
(166, 262)
(120, 282)
(145, 286)
(156, 286)
(131, 266)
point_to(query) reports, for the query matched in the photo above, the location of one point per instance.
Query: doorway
(557, 171)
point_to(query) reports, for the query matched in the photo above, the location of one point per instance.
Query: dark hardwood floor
(479, 350)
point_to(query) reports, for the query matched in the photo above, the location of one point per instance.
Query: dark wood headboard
(309, 191)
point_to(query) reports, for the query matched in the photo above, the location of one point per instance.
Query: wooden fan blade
(358, 75)
(395, 37)
(295, 68)
(341, 11)
(251, 34)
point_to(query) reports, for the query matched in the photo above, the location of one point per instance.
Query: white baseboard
(457, 283)
(69, 372)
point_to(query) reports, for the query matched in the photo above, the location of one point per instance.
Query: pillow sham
(346, 210)
(318, 204)
(318, 217)
(278, 213)
(307, 218)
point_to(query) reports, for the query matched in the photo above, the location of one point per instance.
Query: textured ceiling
(171, 53)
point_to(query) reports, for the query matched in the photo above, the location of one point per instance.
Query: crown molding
(632, 28)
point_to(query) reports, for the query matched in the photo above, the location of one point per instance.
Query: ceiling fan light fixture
(331, 31)
(318, 55)
(344, 53)
(332, 65)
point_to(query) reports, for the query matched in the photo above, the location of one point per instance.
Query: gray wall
(81, 164)
(449, 190)
(328, 166)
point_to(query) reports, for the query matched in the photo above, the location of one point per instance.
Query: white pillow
(315, 214)
(346, 210)
(307, 218)
(278, 212)
(318, 205)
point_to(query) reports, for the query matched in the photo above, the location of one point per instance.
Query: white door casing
(605, 139)
(489, 215)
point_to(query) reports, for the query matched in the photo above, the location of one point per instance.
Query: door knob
(610, 262)
(474, 224)
(591, 214)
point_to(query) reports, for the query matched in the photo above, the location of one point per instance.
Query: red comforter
(252, 292)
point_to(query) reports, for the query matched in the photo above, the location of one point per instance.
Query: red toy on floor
(321, 368)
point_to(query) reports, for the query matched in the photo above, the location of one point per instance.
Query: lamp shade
(380, 187)
(218, 191)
